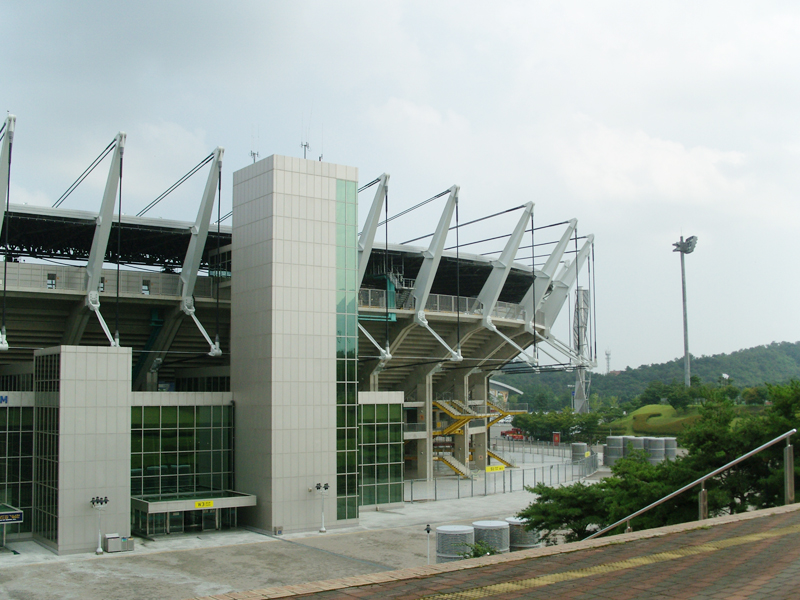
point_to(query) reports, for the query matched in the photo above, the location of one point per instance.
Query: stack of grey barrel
(579, 451)
(655, 449)
(658, 449)
(452, 541)
(670, 448)
(518, 537)
(613, 450)
(494, 534)
(631, 444)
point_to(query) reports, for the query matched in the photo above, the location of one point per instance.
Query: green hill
(654, 419)
(778, 362)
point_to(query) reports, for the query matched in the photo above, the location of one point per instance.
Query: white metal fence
(370, 298)
(532, 449)
(502, 482)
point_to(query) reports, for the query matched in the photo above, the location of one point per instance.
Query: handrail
(694, 483)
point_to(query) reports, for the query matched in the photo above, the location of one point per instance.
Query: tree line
(721, 434)
(775, 363)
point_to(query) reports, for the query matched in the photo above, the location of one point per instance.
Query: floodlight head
(686, 246)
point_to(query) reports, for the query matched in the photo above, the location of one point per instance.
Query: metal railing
(415, 427)
(533, 448)
(502, 482)
(788, 464)
(372, 298)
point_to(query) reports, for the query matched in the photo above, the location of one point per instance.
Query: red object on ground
(513, 434)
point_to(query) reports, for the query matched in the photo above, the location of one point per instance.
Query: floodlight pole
(686, 367)
(685, 247)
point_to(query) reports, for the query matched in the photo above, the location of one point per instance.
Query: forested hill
(775, 363)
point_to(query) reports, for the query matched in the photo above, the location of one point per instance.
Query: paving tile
(755, 555)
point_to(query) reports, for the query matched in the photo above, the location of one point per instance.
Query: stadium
(161, 376)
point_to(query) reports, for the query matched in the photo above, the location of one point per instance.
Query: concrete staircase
(503, 461)
(460, 468)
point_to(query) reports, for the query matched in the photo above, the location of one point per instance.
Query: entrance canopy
(184, 502)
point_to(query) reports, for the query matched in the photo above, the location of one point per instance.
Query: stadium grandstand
(248, 369)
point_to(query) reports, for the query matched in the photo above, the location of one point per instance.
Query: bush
(477, 550)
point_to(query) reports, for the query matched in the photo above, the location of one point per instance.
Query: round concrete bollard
(519, 539)
(452, 541)
(494, 534)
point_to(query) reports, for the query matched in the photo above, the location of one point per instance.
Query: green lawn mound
(655, 419)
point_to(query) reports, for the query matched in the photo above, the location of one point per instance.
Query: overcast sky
(644, 121)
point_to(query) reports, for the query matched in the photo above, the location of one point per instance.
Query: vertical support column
(373, 381)
(461, 446)
(479, 449)
(421, 450)
(425, 393)
(788, 470)
(461, 442)
(478, 384)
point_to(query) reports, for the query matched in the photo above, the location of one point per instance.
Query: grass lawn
(655, 419)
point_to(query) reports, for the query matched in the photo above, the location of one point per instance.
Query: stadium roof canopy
(56, 233)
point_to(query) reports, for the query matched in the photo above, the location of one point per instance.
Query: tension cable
(85, 174)
(408, 210)
(502, 212)
(175, 185)
(368, 185)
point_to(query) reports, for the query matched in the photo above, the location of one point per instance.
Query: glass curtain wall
(47, 371)
(181, 450)
(381, 453)
(346, 351)
(16, 463)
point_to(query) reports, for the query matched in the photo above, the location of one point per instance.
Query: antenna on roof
(254, 145)
(305, 132)
(321, 142)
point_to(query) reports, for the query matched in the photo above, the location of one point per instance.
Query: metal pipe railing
(703, 501)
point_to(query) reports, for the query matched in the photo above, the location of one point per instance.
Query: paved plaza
(756, 555)
(183, 566)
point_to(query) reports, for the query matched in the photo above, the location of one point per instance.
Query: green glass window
(152, 418)
(136, 417)
(203, 416)
(169, 416)
(186, 415)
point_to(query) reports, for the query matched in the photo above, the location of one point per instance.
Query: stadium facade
(336, 366)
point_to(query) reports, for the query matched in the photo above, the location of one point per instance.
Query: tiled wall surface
(283, 373)
(94, 444)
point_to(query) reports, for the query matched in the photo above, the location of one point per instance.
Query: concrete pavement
(753, 555)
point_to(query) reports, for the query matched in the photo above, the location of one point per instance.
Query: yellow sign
(204, 504)
(495, 468)
(588, 454)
